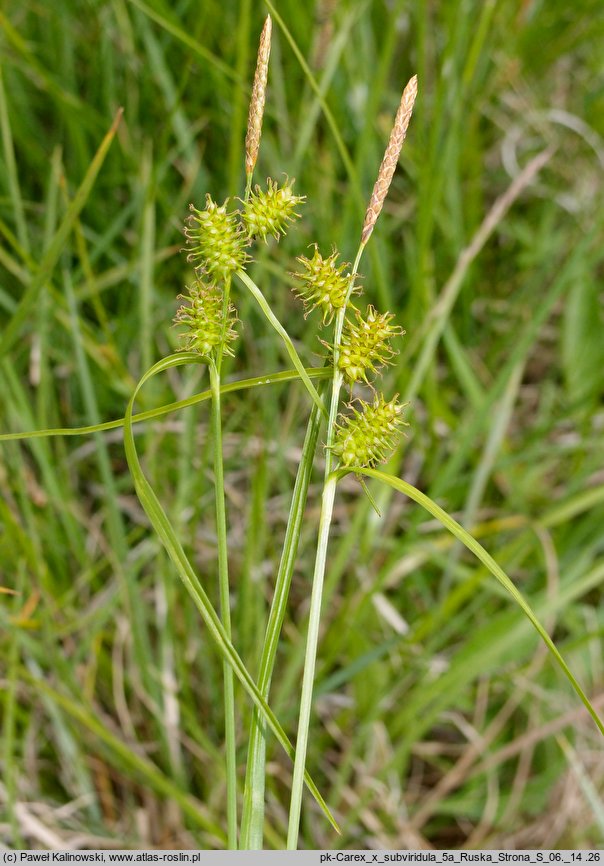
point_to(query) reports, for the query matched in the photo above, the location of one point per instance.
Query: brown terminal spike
(390, 160)
(254, 121)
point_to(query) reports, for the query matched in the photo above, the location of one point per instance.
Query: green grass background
(439, 721)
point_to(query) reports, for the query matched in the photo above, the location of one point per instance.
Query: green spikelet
(366, 344)
(369, 436)
(216, 240)
(203, 315)
(268, 212)
(324, 284)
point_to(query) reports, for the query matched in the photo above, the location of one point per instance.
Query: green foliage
(111, 690)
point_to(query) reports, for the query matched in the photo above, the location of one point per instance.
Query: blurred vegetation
(439, 720)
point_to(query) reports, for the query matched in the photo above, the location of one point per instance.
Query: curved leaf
(240, 385)
(489, 563)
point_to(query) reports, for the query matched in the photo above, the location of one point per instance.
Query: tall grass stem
(225, 607)
(253, 806)
(312, 640)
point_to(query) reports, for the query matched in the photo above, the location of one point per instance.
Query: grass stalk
(215, 368)
(253, 807)
(312, 640)
(225, 608)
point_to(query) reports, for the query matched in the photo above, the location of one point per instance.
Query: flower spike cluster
(369, 435)
(267, 212)
(366, 344)
(325, 285)
(216, 240)
(208, 326)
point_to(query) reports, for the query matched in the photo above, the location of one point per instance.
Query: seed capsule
(324, 284)
(267, 212)
(366, 344)
(216, 240)
(203, 315)
(370, 434)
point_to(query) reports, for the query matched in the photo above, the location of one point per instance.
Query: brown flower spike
(254, 121)
(390, 160)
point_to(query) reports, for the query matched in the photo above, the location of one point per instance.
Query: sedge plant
(353, 436)
(353, 427)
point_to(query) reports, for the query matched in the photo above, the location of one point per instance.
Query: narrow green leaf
(274, 321)
(54, 250)
(186, 39)
(241, 385)
(487, 560)
(331, 120)
(10, 169)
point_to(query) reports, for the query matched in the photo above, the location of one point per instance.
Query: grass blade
(333, 124)
(125, 754)
(276, 324)
(54, 250)
(487, 560)
(182, 36)
(240, 385)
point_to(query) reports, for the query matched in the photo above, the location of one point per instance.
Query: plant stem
(252, 822)
(327, 500)
(248, 185)
(225, 608)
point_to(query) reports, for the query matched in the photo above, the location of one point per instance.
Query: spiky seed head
(365, 343)
(254, 122)
(203, 314)
(390, 160)
(216, 240)
(370, 434)
(267, 212)
(324, 284)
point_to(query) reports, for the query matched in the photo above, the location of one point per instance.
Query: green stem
(252, 822)
(248, 185)
(215, 367)
(225, 608)
(327, 500)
